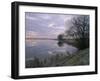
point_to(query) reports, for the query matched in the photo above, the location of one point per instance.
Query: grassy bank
(79, 58)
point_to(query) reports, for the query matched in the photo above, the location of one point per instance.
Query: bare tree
(79, 30)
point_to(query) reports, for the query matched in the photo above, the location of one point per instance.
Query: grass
(79, 58)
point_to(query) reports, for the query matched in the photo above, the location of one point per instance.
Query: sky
(46, 25)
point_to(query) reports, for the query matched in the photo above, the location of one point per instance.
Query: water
(44, 48)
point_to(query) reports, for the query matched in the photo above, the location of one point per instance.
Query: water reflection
(30, 43)
(44, 48)
(60, 43)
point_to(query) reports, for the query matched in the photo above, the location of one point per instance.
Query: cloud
(31, 18)
(31, 34)
(60, 27)
(46, 25)
(57, 32)
(51, 25)
(45, 16)
(54, 26)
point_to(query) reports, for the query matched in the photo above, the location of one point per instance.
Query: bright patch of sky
(46, 25)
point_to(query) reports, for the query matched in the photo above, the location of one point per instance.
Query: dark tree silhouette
(60, 37)
(79, 30)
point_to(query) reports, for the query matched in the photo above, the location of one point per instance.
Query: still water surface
(44, 48)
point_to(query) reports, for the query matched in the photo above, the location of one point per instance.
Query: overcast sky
(46, 25)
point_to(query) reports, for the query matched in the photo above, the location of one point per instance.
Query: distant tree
(60, 37)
